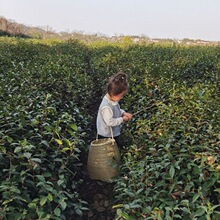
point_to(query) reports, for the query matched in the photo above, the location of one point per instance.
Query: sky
(169, 19)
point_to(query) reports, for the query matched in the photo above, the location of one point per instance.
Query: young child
(110, 115)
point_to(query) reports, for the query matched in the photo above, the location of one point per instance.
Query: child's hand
(125, 118)
(128, 115)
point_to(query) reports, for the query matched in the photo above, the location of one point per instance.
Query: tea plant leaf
(58, 141)
(63, 205)
(195, 197)
(27, 155)
(217, 190)
(74, 127)
(199, 212)
(57, 212)
(172, 171)
(43, 200)
(50, 197)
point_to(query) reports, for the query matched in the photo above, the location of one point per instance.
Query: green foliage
(49, 95)
(42, 131)
(171, 169)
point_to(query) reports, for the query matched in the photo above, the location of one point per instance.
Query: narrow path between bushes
(99, 196)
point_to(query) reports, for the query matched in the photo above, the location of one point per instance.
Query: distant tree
(11, 28)
(5, 25)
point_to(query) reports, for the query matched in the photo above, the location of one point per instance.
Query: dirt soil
(99, 196)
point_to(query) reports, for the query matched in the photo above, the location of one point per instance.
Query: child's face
(118, 97)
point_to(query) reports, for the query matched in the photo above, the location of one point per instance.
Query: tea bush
(171, 170)
(42, 131)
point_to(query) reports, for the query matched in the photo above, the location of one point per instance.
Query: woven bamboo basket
(103, 160)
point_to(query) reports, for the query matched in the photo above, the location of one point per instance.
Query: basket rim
(99, 142)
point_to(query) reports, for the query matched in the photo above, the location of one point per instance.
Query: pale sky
(173, 19)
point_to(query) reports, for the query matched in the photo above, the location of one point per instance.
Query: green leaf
(186, 210)
(185, 202)
(36, 160)
(50, 197)
(41, 178)
(172, 171)
(217, 190)
(135, 206)
(195, 197)
(78, 211)
(199, 212)
(69, 143)
(139, 191)
(7, 201)
(43, 200)
(32, 205)
(63, 205)
(57, 211)
(27, 155)
(45, 143)
(65, 149)
(117, 206)
(74, 127)
(58, 141)
(60, 182)
(40, 213)
(35, 121)
(131, 194)
(17, 149)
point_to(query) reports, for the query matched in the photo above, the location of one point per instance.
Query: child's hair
(117, 84)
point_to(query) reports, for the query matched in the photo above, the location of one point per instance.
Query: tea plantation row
(49, 95)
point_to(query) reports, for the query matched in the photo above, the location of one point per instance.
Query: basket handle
(110, 131)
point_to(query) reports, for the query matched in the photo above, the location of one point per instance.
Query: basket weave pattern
(103, 159)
